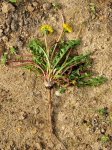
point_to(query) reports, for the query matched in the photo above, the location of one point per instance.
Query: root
(50, 111)
(52, 134)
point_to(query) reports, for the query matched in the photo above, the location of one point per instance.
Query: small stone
(37, 111)
(14, 25)
(6, 31)
(5, 38)
(57, 93)
(30, 8)
(35, 4)
(47, 6)
(26, 14)
(95, 122)
(21, 23)
(40, 124)
(33, 131)
(8, 21)
(102, 131)
(18, 129)
(23, 115)
(1, 32)
(6, 7)
(38, 146)
(88, 129)
(19, 43)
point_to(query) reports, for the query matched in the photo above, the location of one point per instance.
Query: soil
(23, 97)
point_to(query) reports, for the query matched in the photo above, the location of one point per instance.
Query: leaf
(105, 139)
(77, 75)
(62, 90)
(39, 52)
(93, 8)
(31, 68)
(4, 58)
(93, 81)
(76, 60)
(13, 50)
(103, 111)
(81, 71)
(13, 1)
(63, 50)
(39, 61)
(56, 6)
(36, 47)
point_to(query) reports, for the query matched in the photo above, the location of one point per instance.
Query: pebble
(57, 93)
(47, 6)
(14, 25)
(1, 32)
(21, 23)
(23, 115)
(26, 14)
(37, 111)
(5, 38)
(8, 21)
(38, 146)
(6, 7)
(6, 32)
(35, 4)
(30, 8)
(40, 124)
(102, 131)
(95, 122)
(19, 44)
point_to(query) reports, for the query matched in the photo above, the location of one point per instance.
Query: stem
(20, 61)
(79, 32)
(47, 53)
(59, 38)
(45, 38)
(26, 55)
(25, 63)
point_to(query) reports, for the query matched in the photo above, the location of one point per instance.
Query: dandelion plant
(58, 65)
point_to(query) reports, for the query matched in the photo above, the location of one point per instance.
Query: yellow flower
(67, 28)
(47, 28)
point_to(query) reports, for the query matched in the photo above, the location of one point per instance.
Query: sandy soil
(23, 98)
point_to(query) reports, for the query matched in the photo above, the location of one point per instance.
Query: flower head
(47, 28)
(67, 28)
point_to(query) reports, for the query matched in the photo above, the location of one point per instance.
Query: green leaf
(39, 52)
(93, 81)
(13, 50)
(103, 111)
(76, 60)
(13, 1)
(93, 8)
(56, 6)
(36, 47)
(4, 58)
(76, 75)
(62, 90)
(105, 139)
(31, 68)
(64, 49)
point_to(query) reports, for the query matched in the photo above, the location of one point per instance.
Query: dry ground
(23, 101)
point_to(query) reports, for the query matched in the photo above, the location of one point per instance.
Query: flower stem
(60, 36)
(45, 38)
